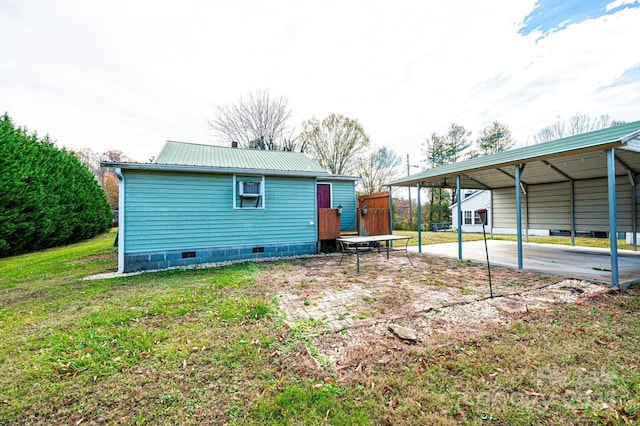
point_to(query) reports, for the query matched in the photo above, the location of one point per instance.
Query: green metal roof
(191, 154)
(552, 161)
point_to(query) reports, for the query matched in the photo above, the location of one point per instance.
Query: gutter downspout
(121, 235)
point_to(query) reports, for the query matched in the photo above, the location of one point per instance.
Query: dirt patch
(102, 256)
(17, 295)
(444, 301)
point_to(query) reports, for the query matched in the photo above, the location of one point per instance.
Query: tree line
(105, 176)
(48, 197)
(341, 145)
(455, 144)
(338, 143)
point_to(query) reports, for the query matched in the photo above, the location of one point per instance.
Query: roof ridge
(233, 148)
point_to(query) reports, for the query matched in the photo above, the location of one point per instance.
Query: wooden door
(324, 195)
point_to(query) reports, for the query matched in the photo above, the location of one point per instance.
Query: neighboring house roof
(192, 157)
(465, 199)
(574, 157)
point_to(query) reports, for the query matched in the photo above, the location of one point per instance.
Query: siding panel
(344, 194)
(174, 211)
(550, 206)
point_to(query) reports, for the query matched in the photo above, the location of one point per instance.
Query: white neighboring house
(472, 201)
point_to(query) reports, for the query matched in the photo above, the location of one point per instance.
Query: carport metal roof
(575, 157)
(604, 153)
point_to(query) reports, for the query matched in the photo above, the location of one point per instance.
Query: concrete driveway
(585, 263)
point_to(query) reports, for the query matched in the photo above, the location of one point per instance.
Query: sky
(129, 75)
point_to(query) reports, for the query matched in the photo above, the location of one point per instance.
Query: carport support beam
(419, 219)
(519, 216)
(391, 211)
(613, 220)
(573, 212)
(459, 218)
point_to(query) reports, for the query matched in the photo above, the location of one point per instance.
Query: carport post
(459, 218)
(573, 213)
(519, 216)
(391, 211)
(613, 220)
(419, 219)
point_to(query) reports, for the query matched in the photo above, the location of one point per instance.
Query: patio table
(369, 244)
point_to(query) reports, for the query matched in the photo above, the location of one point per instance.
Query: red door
(324, 195)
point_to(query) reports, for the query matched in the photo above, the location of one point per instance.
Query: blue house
(202, 203)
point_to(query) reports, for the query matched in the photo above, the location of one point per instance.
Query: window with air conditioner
(248, 192)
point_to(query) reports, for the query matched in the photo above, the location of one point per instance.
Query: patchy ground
(347, 316)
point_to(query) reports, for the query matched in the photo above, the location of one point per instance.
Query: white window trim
(235, 192)
(468, 214)
(476, 218)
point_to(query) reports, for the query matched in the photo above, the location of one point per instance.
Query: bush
(48, 197)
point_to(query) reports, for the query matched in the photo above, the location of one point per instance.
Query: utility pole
(409, 165)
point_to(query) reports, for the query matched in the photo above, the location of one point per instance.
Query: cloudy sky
(129, 75)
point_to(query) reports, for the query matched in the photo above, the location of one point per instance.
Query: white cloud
(619, 3)
(129, 75)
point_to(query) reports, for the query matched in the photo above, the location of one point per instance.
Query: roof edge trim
(220, 170)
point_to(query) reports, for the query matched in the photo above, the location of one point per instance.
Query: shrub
(48, 197)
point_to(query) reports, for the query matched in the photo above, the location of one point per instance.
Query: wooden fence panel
(375, 222)
(328, 224)
(379, 200)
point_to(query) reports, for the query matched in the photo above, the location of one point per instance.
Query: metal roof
(575, 157)
(191, 154)
(198, 158)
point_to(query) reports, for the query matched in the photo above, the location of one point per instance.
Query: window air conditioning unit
(250, 189)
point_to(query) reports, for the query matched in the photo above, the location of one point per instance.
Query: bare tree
(335, 142)
(378, 168)
(257, 121)
(92, 160)
(574, 125)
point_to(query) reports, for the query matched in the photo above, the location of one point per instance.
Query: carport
(582, 183)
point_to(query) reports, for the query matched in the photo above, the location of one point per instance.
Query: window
(250, 189)
(248, 192)
(467, 217)
(476, 219)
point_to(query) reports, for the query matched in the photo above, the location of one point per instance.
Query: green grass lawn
(210, 346)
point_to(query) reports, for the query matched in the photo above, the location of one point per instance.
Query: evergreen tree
(47, 196)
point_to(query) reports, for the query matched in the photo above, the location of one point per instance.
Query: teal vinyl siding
(344, 193)
(174, 211)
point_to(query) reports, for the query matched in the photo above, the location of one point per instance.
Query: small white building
(472, 201)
